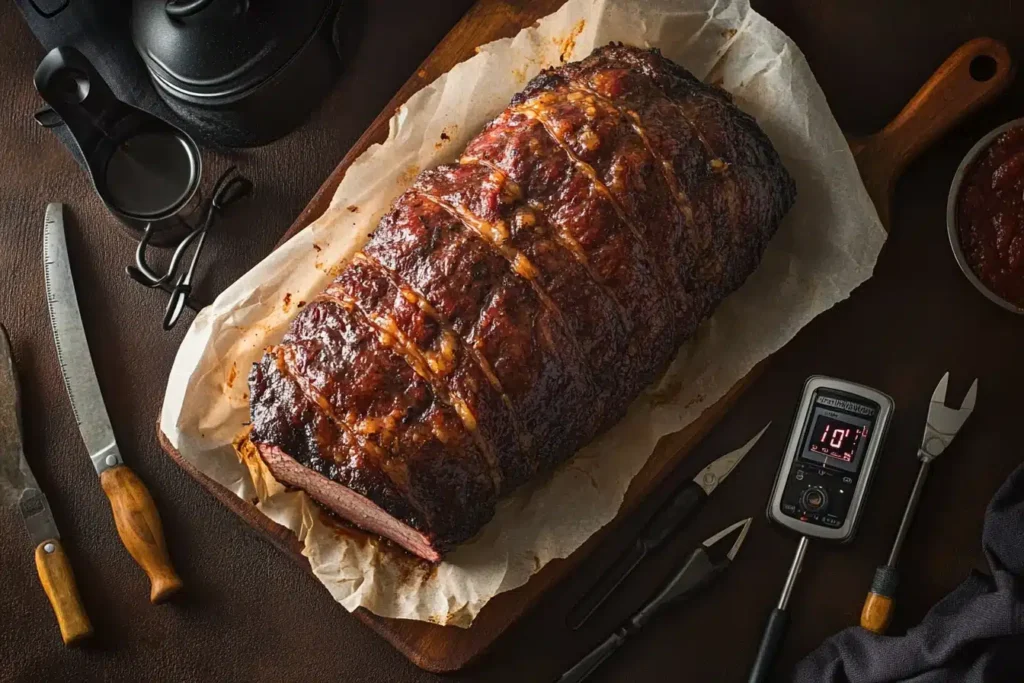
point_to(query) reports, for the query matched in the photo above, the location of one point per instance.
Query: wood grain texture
(877, 613)
(138, 524)
(59, 583)
(946, 98)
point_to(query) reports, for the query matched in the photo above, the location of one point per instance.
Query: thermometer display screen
(838, 432)
(836, 438)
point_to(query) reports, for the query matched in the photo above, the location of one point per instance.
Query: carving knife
(18, 484)
(135, 514)
(669, 518)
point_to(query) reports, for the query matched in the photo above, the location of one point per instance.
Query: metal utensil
(135, 514)
(18, 483)
(778, 620)
(669, 518)
(704, 564)
(951, 210)
(940, 429)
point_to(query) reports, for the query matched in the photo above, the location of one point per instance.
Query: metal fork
(942, 425)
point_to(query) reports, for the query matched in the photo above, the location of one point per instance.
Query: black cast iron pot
(241, 73)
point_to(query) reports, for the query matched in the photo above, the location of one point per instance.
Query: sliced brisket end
(353, 370)
(305, 450)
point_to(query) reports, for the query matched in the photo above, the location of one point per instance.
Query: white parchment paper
(826, 247)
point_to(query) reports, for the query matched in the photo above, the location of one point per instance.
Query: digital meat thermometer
(823, 480)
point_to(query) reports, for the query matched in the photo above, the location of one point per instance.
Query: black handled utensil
(679, 509)
(703, 566)
(778, 621)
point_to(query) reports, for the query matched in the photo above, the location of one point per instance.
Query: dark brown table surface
(249, 614)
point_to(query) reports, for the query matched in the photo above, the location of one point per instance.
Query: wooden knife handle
(138, 524)
(59, 583)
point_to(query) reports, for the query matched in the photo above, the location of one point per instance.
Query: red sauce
(990, 216)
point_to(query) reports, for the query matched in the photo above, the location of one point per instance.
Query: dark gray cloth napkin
(973, 635)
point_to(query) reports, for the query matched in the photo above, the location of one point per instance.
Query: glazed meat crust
(512, 305)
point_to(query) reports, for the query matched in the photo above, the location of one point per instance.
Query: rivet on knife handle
(59, 583)
(138, 524)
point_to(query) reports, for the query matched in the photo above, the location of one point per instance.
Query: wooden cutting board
(950, 95)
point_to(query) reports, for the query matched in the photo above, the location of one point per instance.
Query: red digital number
(838, 435)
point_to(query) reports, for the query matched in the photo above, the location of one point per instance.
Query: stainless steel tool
(940, 429)
(823, 480)
(135, 514)
(704, 564)
(680, 508)
(17, 484)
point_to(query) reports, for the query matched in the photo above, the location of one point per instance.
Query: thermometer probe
(823, 480)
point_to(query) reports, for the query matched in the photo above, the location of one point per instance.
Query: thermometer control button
(813, 499)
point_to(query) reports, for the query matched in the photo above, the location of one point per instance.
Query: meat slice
(511, 306)
(474, 289)
(490, 203)
(452, 365)
(583, 215)
(309, 452)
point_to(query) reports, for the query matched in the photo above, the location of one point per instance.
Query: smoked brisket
(512, 305)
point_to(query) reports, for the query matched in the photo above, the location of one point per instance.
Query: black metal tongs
(704, 564)
(230, 187)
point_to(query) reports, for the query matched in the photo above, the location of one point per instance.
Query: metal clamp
(230, 187)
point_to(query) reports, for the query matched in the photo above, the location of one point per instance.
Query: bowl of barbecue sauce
(985, 216)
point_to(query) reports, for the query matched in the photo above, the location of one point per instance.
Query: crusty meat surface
(512, 305)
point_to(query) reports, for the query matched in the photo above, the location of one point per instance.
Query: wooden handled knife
(17, 484)
(135, 514)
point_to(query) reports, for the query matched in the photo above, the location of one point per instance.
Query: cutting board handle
(970, 78)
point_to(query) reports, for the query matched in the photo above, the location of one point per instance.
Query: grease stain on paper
(568, 44)
(409, 175)
(447, 133)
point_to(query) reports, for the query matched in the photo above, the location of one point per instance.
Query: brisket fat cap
(510, 306)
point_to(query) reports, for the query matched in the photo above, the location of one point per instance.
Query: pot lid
(217, 48)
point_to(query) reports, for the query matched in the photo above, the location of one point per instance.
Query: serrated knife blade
(76, 364)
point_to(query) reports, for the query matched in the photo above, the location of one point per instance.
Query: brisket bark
(510, 306)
